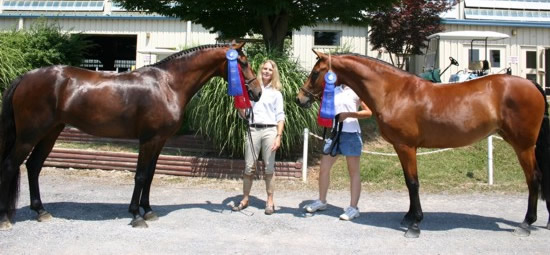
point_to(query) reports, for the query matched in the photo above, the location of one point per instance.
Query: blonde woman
(266, 121)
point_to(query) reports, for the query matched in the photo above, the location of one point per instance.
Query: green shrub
(43, 44)
(46, 45)
(12, 64)
(213, 115)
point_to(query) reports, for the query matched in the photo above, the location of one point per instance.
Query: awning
(470, 35)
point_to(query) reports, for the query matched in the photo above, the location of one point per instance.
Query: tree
(402, 30)
(273, 19)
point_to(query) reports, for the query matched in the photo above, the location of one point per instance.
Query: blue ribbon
(327, 104)
(234, 79)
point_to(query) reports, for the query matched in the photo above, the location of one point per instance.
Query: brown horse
(412, 112)
(145, 104)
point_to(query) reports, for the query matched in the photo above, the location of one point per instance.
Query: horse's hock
(173, 165)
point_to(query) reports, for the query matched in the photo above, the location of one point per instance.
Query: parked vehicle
(476, 68)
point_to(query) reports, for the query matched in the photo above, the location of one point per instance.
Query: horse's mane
(186, 52)
(373, 59)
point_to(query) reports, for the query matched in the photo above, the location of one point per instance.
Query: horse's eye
(314, 76)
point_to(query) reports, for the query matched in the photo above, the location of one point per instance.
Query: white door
(496, 57)
(529, 65)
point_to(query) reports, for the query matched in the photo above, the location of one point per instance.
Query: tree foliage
(272, 19)
(402, 29)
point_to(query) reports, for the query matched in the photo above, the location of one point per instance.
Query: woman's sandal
(269, 209)
(239, 207)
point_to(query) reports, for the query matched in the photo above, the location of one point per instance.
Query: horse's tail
(542, 150)
(7, 141)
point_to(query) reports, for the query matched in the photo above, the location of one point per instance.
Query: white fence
(489, 155)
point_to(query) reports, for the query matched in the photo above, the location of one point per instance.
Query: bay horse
(412, 112)
(145, 104)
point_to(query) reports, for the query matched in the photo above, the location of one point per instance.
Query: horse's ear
(237, 45)
(319, 54)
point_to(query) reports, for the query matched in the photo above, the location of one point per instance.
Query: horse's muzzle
(306, 104)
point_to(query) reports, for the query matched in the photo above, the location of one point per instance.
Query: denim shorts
(350, 145)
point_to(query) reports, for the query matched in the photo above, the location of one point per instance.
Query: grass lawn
(457, 170)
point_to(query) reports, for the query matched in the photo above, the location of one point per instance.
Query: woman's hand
(343, 115)
(276, 143)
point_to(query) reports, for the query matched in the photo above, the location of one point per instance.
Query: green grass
(457, 170)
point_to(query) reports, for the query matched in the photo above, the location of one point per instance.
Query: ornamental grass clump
(212, 114)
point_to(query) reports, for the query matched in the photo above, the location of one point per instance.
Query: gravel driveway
(90, 209)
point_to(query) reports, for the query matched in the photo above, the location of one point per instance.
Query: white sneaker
(317, 205)
(350, 214)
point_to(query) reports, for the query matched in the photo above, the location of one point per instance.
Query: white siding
(8, 24)
(163, 33)
(354, 38)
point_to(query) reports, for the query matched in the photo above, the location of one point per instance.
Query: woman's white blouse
(269, 110)
(345, 100)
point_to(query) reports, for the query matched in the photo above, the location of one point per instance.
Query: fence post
(304, 156)
(490, 159)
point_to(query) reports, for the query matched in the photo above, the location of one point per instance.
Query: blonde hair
(275, 80)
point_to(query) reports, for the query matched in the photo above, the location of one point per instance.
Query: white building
(137, 39)
(125, 38)
(526, 51)
(132, 38)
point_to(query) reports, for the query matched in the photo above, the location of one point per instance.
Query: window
(327, 38)
(531, 59)
(495, 58)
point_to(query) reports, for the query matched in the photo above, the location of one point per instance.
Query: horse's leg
(407, 157)
(148, 213)
(34, 166)
(148, 152)
(9, 187)
(528, 163)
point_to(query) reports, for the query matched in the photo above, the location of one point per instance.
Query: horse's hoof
(412, 232)
(522, 231)
(150, 216)
(44, 216)
(548, 226)
(139, 223)
(5, 225)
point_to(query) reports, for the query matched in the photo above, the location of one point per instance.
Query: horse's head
(252, 84)
(313, 87)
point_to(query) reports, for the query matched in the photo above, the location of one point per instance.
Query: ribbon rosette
(234, 78)
(326, 110)
(235, 81)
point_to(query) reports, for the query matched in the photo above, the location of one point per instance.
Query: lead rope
(329, 62)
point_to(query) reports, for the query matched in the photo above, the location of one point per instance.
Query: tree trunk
(274, 29)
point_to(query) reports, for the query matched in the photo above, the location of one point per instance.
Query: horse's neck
(192, 73)
(367, 81)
